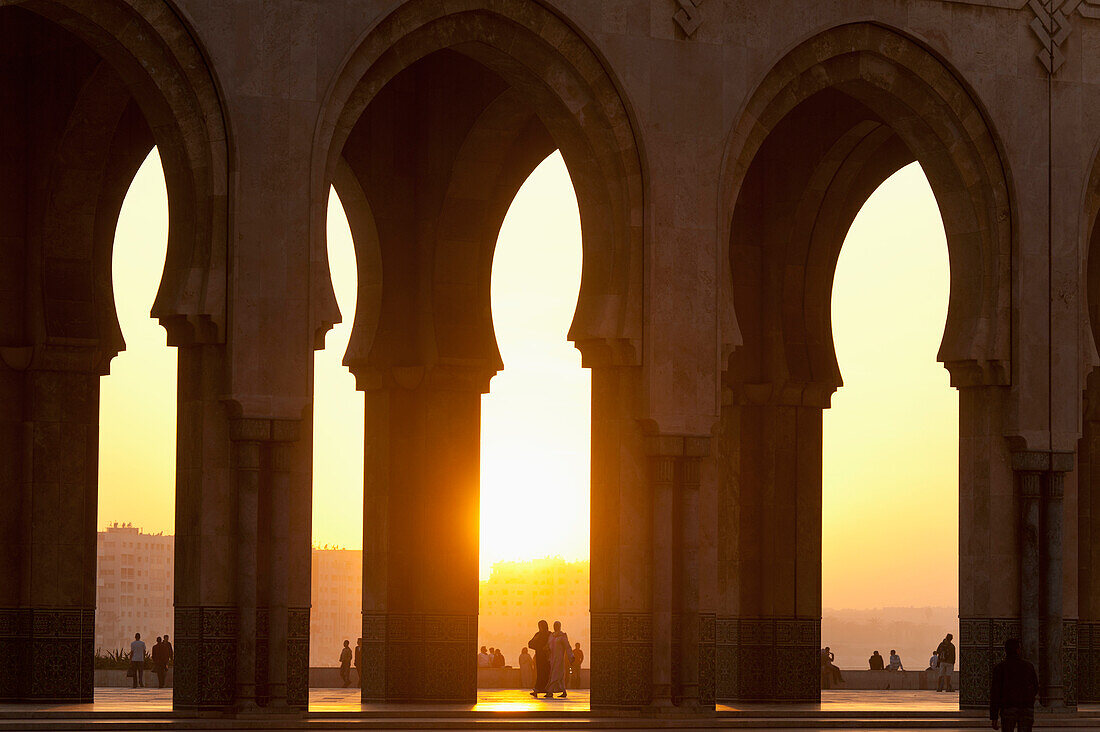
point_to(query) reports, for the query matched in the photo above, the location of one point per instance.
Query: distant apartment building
(519, 594)
(134, 577)
(337, 607)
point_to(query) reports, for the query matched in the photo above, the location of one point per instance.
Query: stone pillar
(47, 626)
(768, 465)
(989, 543)
(206, 613)
(1088, 537)
(421, 523)
(263, 467)
(683, 644)
(622, 522)
(1040, 479)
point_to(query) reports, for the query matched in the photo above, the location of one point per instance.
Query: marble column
(1088, 576)
(768, 465)
(263, 452)
(622, 525)
(683, 639)
(206, 612)
(47, 624)
(1040, 479)
(421, 523)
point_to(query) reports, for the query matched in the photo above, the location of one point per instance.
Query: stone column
(680, 664)
(622, 521)
(47, 628)
(421, 523)
(1088, 537)
(768, 465)
(263, 466)
(1040, 477)
(989, 538)
(206, 613)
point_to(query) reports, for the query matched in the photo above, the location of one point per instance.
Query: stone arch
(120, 77)
(152, 50)
(880, 76)
(835, 117)
(557, 71)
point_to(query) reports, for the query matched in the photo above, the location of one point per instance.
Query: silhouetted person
(934, 661)
(575, 667)
(540, 644)
(526, 669)
(946, 653)
(561, 658)
(498, 659)
(345, 663)
(895, 662)
(829, 669)
(137, 660)
(1012, 696)
(484, 660)
(168, 650)
(159, 655)
(875, 662)
(357, 661)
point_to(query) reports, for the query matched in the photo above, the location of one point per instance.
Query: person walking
(357, 661)
(345, 663)
(1012, 696)
(946, 653)
(526, 670)
(540, 644)
(561, 658)
(575, 667)
(137, 661)
(159, 655)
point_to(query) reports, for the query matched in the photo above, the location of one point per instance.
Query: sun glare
(535, 420)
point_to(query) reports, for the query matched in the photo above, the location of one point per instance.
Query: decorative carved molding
(1051, 25)
(688, 16)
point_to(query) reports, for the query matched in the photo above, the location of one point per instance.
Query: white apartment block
(133, 586)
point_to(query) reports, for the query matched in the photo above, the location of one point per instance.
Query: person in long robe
(561, 658)
(539, 643)
(526, 669)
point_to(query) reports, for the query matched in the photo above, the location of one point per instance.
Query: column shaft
(421, 530)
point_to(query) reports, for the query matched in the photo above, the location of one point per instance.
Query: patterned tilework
(419, 658)
(206, 649)
(46, 654)
(767, 659)
(622, 659)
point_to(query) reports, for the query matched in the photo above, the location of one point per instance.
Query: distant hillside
(912, 631)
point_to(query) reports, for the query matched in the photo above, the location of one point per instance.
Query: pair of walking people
(553, 657)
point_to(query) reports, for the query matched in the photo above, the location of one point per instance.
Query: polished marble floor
(114, 700)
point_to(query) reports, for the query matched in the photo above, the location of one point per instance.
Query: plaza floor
(150, 709)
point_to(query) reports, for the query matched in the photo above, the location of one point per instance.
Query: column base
(205, 666)
(419, 658)
(46, 655)
(768, 659)
(981, 647)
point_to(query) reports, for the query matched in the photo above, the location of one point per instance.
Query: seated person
(895, 662)
(876, 662)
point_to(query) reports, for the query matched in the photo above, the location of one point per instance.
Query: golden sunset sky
(891, 446)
